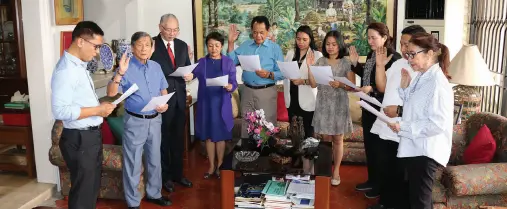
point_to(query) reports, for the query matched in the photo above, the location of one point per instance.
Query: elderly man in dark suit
(172, 53)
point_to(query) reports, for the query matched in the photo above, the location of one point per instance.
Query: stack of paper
(250, 63)
(275, 195)
(290, 70)
(185, 70)
(322, 74)
(218, 81)
(379, 115)
(347, 82)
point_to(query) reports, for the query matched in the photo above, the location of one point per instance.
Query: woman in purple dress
(214, 120)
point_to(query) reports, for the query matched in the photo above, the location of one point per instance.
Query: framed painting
(68, 12)
(350, 17)
(65, 41)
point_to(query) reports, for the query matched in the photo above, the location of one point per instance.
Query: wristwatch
(399, 111)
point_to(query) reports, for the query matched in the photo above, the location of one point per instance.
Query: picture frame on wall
(68, 12)
(350, 17)
(65, 41)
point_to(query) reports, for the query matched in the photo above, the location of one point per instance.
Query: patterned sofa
(469, 186)
(111, 186)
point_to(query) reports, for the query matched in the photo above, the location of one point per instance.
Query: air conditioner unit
(427, 13)
(434, 27)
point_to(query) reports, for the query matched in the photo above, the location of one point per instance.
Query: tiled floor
(206, 192)
(17, 191)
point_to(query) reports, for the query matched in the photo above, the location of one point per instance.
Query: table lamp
(469, 70)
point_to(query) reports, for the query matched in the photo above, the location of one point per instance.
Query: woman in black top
(380, 43)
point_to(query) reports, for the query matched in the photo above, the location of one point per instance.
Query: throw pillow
(235, 103)
(282, 114)
(355, 109)
(107, 135)
(481, 149)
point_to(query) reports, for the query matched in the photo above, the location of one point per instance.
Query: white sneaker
(335, 182)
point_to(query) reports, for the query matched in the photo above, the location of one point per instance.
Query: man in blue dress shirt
(142, 130)
(74, 102)
(261, 91)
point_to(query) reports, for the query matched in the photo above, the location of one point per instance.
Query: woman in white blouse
(299, 95)
(426, 126)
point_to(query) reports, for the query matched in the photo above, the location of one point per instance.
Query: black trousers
(392, 176)
(371, 148)
(82, 152)
(420, 173)
(172, 148)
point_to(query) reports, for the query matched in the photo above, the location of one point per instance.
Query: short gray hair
(138, 35)
(167, 17)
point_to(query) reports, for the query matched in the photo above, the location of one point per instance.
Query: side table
(20, 136)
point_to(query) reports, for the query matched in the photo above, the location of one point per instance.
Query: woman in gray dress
(332, 115)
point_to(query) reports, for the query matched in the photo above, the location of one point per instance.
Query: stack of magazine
(286, 193)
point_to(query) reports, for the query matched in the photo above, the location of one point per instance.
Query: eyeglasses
(411, 55)
(96, 46)
(169, 30)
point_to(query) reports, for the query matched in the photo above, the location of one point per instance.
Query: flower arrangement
(260, 129)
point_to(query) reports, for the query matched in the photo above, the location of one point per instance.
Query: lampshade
(469, 68)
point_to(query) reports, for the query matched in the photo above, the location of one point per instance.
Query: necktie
(171, 55)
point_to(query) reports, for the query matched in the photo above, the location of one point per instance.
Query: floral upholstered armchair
(460, 186)
(111, 186)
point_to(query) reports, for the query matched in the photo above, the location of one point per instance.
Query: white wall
(42, 40)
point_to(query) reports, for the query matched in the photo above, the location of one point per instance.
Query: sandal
(335, 182)
(207, 175)
(217, 172)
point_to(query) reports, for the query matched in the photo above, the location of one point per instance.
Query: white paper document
(218, 81)
(322, 74)
(290, 70)
(379, 115)
(250, 63)
(157, 101)
(185, 70)
(347, 82)
(368, 98)
(126, 94)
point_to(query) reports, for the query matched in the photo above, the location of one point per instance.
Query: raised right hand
(353, 55)
(405, 78)
(233, 33)
(124, 64)
(106, 109)
(310, 58)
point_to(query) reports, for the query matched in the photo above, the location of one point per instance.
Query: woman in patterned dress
(332, 116)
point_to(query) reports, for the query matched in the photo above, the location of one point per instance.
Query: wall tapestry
(350, 17)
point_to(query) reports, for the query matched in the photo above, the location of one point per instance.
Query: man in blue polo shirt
(261, 91)
(142, 130)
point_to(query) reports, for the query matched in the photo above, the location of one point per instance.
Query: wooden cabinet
(22, 138)
(12, 51)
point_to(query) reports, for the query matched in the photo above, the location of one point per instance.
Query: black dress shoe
(168, 186)
(184, 182)
(162, 201)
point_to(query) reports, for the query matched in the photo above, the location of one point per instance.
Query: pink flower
(257, 131)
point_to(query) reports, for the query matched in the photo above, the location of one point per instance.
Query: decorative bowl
(93, 65)
(246, 156)
(122, 48)
(106, 57)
